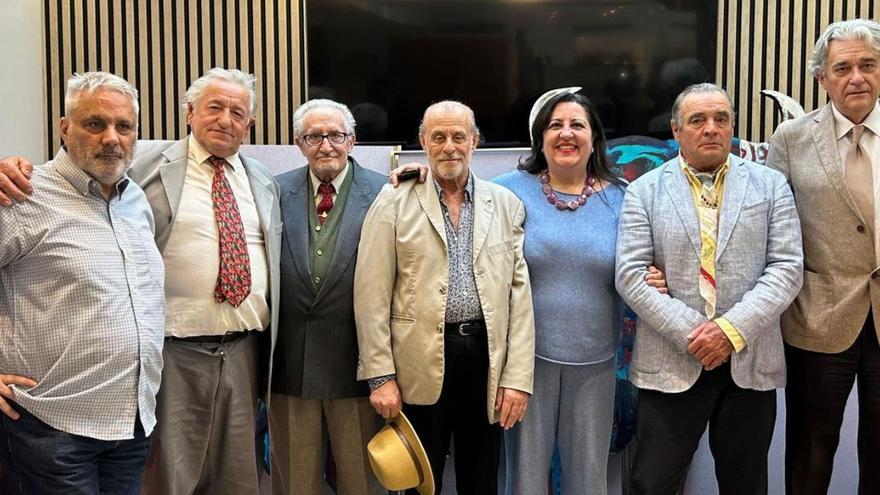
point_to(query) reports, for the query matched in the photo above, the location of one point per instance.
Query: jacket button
(861, 228)
(440, 328)
(443, 290)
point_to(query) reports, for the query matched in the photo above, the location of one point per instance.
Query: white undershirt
(192, 255)
(871, 146)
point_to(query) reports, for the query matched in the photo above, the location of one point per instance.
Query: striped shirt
(82, 303)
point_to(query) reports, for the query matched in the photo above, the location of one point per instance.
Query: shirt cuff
(378, 381)
(732, 333)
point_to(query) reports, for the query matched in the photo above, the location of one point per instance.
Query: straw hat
(398, 458)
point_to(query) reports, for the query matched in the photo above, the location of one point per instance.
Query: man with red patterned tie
(218, 227)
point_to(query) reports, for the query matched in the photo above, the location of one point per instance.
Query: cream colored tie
(859, 178)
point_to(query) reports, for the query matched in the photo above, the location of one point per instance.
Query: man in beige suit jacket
(443, 304)
(830, 329)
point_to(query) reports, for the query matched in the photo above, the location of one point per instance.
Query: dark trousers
(815, 398)
(37, 458)
(670, 426)
(460, 413)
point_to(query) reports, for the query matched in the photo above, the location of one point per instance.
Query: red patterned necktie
(326, 191)
(234, 275)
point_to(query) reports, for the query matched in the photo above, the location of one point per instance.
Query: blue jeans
(37, 458)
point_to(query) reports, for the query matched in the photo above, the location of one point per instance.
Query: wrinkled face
(326, 159)
(449, 142)
(568, 138)
(706, 131)
(851, 78)
(221, 118)
(100, 134)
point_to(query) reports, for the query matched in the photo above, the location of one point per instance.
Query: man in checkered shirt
(81, 308)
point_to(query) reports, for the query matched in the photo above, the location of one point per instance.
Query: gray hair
(450, 106)
(694, 88)
(243, 79)
(322, 104)
(89, 82)
(854, 29)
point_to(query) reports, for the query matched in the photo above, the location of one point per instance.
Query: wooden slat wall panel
(767, 44)
(161, 46)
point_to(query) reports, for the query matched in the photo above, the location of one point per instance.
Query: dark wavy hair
(597, 163)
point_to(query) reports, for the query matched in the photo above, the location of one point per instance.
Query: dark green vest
(322, 238)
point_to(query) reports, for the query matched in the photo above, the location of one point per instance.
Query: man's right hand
(7, 394)
(386, 400)
(15, 184)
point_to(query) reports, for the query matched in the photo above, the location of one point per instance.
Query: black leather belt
(226, 338)
(476, 328)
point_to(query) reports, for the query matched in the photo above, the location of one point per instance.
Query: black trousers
(460, 413)
(815, 398)
(670, 426)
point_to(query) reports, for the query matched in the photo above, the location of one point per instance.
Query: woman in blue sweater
(572, 201)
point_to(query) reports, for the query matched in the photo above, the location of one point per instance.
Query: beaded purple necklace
(589, 183)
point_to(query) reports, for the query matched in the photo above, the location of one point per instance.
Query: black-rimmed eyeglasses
(317, 139)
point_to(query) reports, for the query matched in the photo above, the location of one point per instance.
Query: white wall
(22, 85)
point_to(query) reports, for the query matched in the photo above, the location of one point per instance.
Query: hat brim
(427, 485)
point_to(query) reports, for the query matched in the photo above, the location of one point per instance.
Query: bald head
(448, 134)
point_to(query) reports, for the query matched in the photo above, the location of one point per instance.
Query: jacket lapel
(735, 185)
(173, 173)
(295, 202)
(680, 196)
(826, 146)
(430, 201)
(484, 210)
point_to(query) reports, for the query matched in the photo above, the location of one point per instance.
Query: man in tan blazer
(443, 304)
(830, 329)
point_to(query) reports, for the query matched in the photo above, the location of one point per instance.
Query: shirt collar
(198, 154)
(337, 181)
(83, 182)
(468, 189)
(843, 125)
(688, 168)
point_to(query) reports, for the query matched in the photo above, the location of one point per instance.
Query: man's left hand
(512, 404)
(710, 345)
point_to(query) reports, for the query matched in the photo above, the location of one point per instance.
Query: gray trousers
(204, 442)
(571, 404)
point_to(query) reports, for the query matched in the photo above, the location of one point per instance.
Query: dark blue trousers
(36, 458)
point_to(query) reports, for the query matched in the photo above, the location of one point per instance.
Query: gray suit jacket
(160, 170)
(840, 273)
(758, 272)
(317, 339)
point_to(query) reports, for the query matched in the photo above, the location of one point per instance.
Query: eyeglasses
(317, 139)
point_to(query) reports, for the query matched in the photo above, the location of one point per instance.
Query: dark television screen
(389, 59)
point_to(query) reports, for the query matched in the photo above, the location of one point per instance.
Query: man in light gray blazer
(830, 330)
(218, 226)
(726, 234)
(317, 399)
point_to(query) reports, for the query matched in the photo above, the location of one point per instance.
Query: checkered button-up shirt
(82, 303)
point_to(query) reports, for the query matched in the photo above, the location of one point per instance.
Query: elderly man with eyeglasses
(316, 397)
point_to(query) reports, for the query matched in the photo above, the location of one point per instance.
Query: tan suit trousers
(301, 430)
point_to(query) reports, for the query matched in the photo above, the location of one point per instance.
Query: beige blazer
(840, 274)
(400, 290)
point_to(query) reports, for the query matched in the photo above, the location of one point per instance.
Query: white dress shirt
(192, 255)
